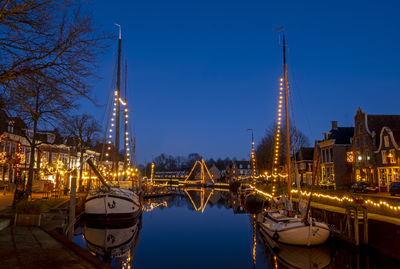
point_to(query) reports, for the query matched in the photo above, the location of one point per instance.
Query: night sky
(202, 72)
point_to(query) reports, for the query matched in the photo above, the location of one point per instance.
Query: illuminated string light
(277, 139)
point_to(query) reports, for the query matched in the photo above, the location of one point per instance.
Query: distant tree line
(165, 162)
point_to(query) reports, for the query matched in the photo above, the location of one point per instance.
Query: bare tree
(83, 129)
(48, 49)
(54, 39)
(265, 149)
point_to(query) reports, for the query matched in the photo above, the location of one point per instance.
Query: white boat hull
(117, 203)
(296, 233)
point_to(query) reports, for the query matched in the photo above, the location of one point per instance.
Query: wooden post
(365, 213)
(348, 224)
(356, 228)
(72, 204)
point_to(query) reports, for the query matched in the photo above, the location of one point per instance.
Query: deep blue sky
(202, 72)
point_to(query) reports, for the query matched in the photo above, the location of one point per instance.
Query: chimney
(326, 136)
(334, 124)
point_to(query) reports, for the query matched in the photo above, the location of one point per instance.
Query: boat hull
(297, 233)
(118, 204)
(317, 257)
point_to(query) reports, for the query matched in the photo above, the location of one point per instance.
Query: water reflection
(205, 228)
(115, 241)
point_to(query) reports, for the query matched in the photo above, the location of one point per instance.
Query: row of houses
(54, 156)
(368, 152)
(234, 171)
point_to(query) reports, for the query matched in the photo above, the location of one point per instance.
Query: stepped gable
(377, 122)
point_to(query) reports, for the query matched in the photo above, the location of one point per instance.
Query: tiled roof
(341, 135)
(304, 154)
(377, 122)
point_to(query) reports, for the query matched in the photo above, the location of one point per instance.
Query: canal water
(207, 229)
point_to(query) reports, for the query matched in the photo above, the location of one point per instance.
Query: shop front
(387, 175)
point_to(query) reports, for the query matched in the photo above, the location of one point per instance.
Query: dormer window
(386, 140)
(11, 126)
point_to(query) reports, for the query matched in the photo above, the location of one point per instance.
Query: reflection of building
(335, 171)
(375, 151)
(304, 160)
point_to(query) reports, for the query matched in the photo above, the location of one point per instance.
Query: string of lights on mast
(277, 138)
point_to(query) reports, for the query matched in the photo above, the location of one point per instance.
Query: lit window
(350, 157)
(384, 156)
(386, 139)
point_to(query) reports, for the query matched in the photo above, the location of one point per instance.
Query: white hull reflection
(112, 241)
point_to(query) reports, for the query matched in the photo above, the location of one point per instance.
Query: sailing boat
(112, 201)
(297, 230)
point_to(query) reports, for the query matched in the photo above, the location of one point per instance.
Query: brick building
(375, 153)
(335, 172)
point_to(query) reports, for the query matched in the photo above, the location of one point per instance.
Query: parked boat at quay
(107, 202)
(282, 226)
(293, 230)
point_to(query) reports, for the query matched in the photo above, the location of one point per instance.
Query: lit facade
(375, 152)
(334, 171)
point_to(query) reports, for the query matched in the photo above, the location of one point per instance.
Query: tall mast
(253, 158)
(289, 182)
(126, 142)
(118, 96)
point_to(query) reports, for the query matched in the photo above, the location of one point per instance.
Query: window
(45, 156)
(367, 156)
(386, 140)
(302, 166)
(392, 156)
(350, 157)
(323, 156)
(11, 126)
(357, 142)
(384, 156)
(366, 141)
(53, 157)
(331, 154)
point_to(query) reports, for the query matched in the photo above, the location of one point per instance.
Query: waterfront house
(375, 152)
(303, 160)
(335, 172)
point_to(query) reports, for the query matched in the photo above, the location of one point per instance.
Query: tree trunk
(81, 169)
(32, 160)
(35, 119)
